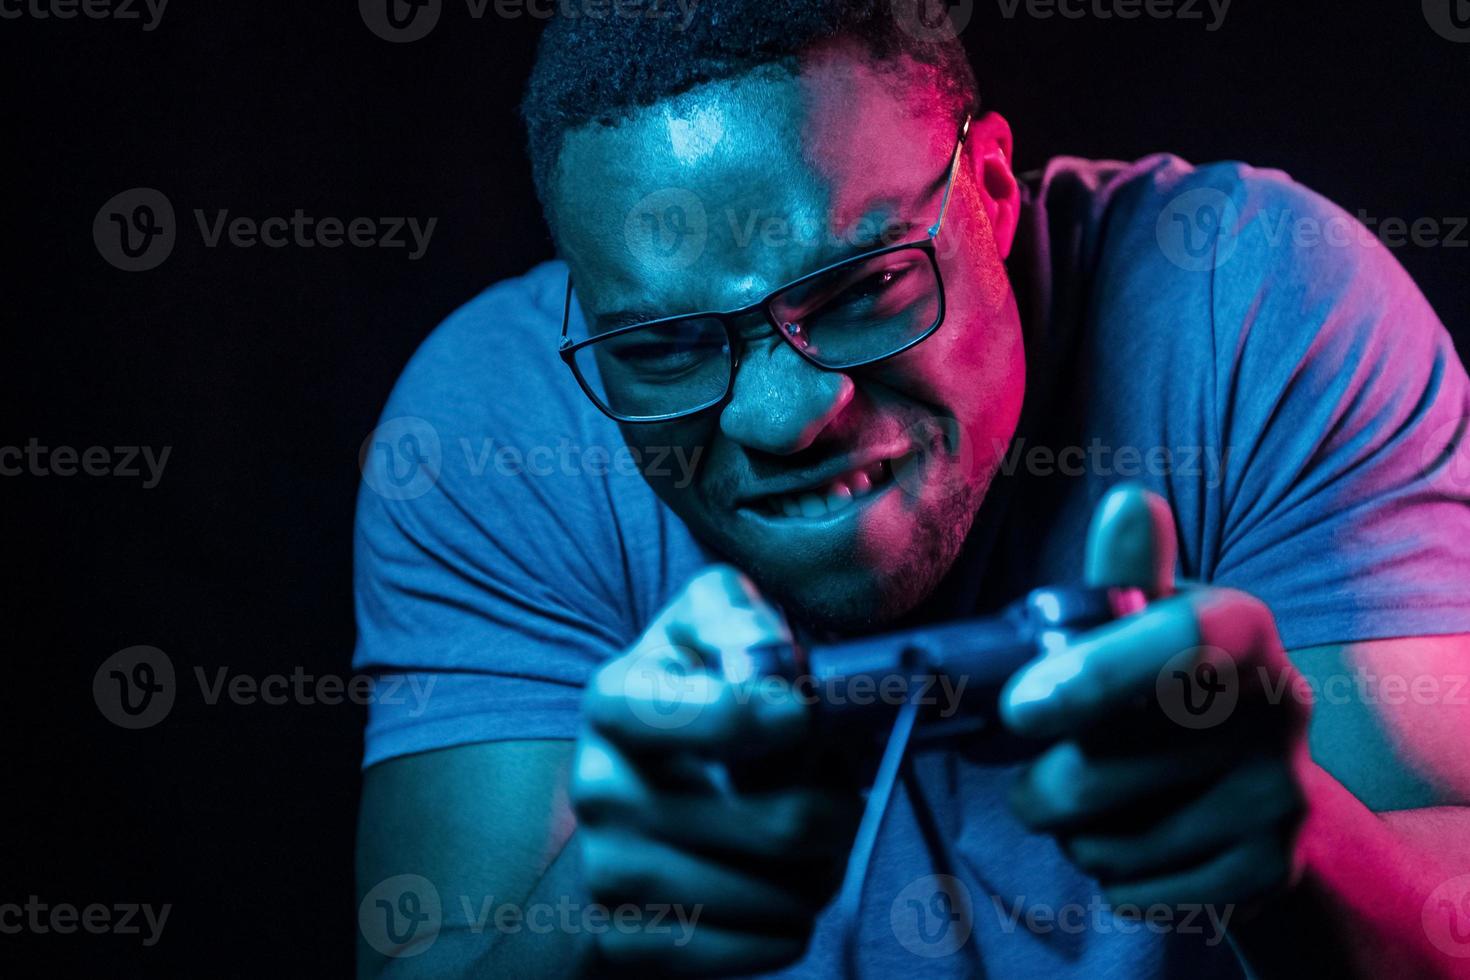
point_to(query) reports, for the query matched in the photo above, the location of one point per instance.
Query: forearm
(558, 943)
(1366, 898)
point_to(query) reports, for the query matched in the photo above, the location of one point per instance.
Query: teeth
(839, 495)
(812, 505)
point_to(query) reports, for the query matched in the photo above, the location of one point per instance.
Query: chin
(879, 579)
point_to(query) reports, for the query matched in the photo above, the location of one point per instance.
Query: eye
(654, 356)
(870, 285)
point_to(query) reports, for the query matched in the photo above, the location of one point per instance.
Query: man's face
(846, 495)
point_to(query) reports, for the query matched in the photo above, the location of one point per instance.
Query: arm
(486, 825)
(1389, 786)
(671, 868)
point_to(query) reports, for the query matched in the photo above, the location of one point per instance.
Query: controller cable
(895, 764)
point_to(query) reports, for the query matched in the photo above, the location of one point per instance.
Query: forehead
(712, 198)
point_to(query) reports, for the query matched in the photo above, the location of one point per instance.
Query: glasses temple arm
(954, 167)
(566, 313)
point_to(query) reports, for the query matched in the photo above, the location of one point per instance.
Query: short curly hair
(601, 69)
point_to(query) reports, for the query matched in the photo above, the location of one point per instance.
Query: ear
(988, 156)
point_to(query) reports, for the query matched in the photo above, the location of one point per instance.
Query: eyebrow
(605, 322)
(888, 232)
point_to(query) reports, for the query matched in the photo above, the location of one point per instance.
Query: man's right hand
(745, 864)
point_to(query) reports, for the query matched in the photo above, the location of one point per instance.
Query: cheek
(972, 371)
(975, 381)
(671, 458)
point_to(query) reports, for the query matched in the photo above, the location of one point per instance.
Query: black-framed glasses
(850, 314)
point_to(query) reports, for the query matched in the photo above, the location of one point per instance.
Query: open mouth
(840, 494)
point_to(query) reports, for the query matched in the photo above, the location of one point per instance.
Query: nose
(781, 402)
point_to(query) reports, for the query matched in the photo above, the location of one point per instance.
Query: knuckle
(621, 950)
(613, 874)
(591, 802)
(1095, 857)
(1075, 797)
(1066, 786)
(788, 824)
(715, 587)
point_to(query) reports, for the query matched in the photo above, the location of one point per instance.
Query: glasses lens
(862, 310)
(665, 369)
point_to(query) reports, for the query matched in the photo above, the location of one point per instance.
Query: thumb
(1131, 542)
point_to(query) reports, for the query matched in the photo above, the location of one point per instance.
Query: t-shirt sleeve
(505, 542)
(1334, 403)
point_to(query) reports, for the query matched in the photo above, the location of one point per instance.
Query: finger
(1249, 801)
(806, 824)
(653, 700)
(620, 867)
(1132, 542)
(719, 610)
(1244, 873)
(1066, 789)
(1112, 668)
(661, 693)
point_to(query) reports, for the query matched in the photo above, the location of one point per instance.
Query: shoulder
(1229, 230)
(1195, 261)
(508, 331)
(490, 478)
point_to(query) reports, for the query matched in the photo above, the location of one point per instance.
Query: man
(820, 333)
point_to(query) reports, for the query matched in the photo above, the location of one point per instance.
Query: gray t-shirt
(1238, 344)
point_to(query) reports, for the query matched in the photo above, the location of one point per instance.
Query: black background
(264, 370)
